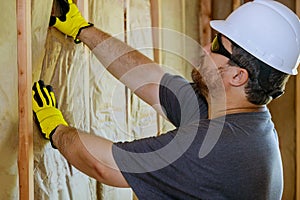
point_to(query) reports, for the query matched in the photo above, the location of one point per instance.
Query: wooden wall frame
(24, 60)
(25, 151)
(236, 4)
(156, 23)
(297, 90)
(205, 18)
(155, 6)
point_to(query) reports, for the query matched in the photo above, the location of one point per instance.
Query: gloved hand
(71, 22)
(44, 106)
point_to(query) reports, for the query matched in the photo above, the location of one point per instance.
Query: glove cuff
(50, 137)
(76, 40)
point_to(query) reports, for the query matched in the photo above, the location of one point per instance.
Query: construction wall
(284, 116)
(89, 97)
(8, 103)
(92, 100)
(282, 110)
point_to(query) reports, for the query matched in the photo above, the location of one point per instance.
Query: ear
(239, 76)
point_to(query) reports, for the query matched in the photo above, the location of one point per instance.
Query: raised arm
(133, 69)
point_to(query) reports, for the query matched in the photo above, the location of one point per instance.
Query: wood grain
(25, 152)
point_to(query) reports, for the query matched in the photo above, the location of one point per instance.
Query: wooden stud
(156, 37)
(128, 92)
(205, 17)
(184, 32)
(156, 23)
(183, 18)
(236, 4)
(25, 152)
(298, 121)
(297, 137)
(297, 3)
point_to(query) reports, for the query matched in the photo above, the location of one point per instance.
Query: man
(224, 145)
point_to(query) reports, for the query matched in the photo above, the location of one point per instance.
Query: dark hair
(265, 82)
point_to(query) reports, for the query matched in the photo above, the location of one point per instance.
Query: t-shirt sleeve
(179, 101)
(139, 161)
(149, 164)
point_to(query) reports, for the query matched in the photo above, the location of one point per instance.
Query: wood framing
(297, 137)
(297, 89)
(156, 23)
(236, 4)
(205, 17)
(25, 151)
(128, 93)
(156, 37)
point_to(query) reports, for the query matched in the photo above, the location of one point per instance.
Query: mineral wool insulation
(89, 97)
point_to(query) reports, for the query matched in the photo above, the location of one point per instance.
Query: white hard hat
(266, 29)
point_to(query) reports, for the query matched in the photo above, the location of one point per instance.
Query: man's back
(244, 163)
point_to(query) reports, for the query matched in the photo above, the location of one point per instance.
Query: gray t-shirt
(232, 157)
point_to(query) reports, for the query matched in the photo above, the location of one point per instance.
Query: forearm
(135, 70)
(90, 154)
(128, 65)
(118, 57)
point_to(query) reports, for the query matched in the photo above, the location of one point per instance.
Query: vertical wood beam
(156, 24)
(25, 151)
(236, 4)
(297, 89)
(183, 18)
(297, 136)
(128, 92)
(205, 17)
(155, 6)
(156, 37)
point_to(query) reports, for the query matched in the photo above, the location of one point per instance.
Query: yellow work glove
(44, 106)
(71, 22)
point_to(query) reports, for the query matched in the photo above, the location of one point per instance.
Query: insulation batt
(88, 96)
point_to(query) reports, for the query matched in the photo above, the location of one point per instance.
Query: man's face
(210, 74)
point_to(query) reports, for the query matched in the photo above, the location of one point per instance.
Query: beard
(208, 82)
(201, 87)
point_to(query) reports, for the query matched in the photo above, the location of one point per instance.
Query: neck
(218, 110)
